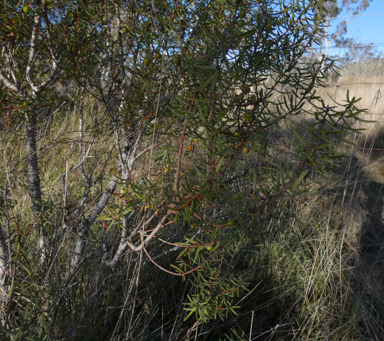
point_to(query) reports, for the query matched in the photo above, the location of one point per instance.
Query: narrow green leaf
(190, 314)
(322, 146)
(8, 332)
(196, 259)
(219, 164)
(214, 82)
(25, 268)
(247, 34)
(298, 136)
(299, 179)
(204, 85)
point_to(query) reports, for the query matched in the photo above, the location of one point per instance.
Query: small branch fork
(179, 274)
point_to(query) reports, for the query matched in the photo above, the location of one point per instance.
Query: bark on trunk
(33, 171)
(83, 228)
(34, 179)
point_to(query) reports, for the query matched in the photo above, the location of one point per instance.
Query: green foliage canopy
(200, 90)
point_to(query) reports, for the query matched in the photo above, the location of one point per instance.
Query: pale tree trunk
(82, 229)
(34, 181)
(127, 157)
(31, 126)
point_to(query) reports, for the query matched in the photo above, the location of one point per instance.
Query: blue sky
(369, 27)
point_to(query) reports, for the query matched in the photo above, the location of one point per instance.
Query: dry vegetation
(369, 89)
(317, 277)
(130, 210)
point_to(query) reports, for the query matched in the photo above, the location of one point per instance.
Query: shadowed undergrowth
(313, 272)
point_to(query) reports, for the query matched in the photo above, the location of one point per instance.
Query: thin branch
(180, 155)
(3, 258)
(32, 53)
(183, 273)
(143, 152)
(31, 59)
(134, 157)
(7, 82)
(150, 236)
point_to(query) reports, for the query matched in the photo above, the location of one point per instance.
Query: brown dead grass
(369, 89)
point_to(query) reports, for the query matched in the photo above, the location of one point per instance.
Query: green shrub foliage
(203, 107)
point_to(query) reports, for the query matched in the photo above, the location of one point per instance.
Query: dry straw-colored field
(369, 89)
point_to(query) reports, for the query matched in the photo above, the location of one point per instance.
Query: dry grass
(369, 89)
(319, 277)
